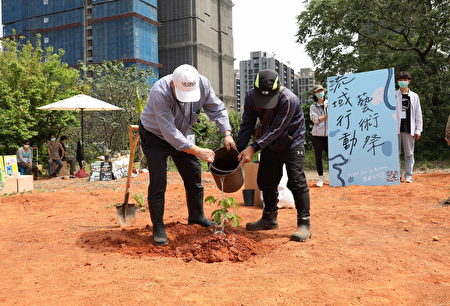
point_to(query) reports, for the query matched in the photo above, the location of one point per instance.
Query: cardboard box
(25, 183)
(10, 185)
(250, 182)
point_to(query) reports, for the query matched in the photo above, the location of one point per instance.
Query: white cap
(186, 81)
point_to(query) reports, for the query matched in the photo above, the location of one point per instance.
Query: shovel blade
(127, 219)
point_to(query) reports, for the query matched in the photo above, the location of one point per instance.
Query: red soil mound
(187, 242)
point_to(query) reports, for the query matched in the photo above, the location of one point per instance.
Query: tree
(344, 36)
(32, 77)
(207, 135)
(125, 87)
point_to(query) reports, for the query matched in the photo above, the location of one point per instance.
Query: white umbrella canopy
(80, 103)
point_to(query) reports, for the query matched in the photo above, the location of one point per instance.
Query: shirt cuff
(185, 146)
(255, 146)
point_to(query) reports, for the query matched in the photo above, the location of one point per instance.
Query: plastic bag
(80, 173)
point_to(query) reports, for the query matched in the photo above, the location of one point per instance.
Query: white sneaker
(320, 182)
(408, 180)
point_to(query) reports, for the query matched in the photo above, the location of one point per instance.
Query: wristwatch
(227, 133)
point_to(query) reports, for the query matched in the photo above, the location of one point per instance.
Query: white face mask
(53, 139)
(26, 146)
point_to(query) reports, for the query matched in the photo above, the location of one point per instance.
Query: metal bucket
(226, 170)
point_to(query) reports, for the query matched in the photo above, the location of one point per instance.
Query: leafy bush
(117, 84)
(31, 77)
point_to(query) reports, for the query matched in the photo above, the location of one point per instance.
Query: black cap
(267, 89)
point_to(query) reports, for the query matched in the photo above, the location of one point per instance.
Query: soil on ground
(378, 245)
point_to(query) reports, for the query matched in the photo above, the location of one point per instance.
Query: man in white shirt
(409, 121)
(172, 108)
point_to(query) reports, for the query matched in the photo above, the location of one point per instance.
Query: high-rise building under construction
(199, 33)
(89, 30)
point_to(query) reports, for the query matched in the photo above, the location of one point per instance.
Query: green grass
(427, 165)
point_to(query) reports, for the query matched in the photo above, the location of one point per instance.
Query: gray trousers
(406, 141)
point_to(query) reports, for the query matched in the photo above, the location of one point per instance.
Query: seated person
(53, 149)
(64, 157)
(25, 159)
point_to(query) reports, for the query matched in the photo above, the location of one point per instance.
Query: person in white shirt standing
(409, 121)
(318, 112)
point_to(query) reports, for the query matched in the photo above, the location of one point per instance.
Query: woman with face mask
(54, 148)
(25, 159)
(318, 112)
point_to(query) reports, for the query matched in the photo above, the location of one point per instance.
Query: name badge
(191, 138)
(403, 114)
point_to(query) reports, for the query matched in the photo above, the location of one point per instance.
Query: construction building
(199, 33)
(260, 60)
(237, 91)
(91, 31)
(306, 83)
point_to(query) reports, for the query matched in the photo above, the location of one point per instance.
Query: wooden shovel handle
(133, 134)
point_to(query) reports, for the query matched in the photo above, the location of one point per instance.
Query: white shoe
(408, 180)
(320, 182)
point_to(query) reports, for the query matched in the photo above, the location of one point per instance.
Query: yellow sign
(2, 167)
(10, 164)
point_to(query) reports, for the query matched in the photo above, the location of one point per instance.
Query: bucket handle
(225, 172)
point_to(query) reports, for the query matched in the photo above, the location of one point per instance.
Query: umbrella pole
(82, 132)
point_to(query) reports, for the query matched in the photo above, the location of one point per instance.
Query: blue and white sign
(362, 129)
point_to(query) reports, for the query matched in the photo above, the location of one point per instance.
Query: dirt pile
(187, 242)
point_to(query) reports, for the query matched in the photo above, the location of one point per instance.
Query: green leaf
(217, 211)
(217, 218)
(210, 199)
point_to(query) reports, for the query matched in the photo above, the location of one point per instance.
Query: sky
(262, 25)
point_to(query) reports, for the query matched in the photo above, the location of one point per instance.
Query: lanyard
(184, 115)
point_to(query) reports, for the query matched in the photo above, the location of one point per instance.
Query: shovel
(126, 213)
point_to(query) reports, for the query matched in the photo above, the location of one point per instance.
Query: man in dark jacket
(281, 139)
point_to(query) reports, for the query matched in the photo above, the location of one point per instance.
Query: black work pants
(270, 172)
(157, 150)
(320, 144)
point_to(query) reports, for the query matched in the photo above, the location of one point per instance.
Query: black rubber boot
(156, 208)
(195, 209)
(268, 221)
(303, 231)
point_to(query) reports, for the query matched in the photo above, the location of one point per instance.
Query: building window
(45, 2)
(89, 11)
(46, 40)
(46, 20)
(89, 42)
(89, 53)
(89, 32)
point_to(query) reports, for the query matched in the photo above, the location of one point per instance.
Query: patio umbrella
(80, 103)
